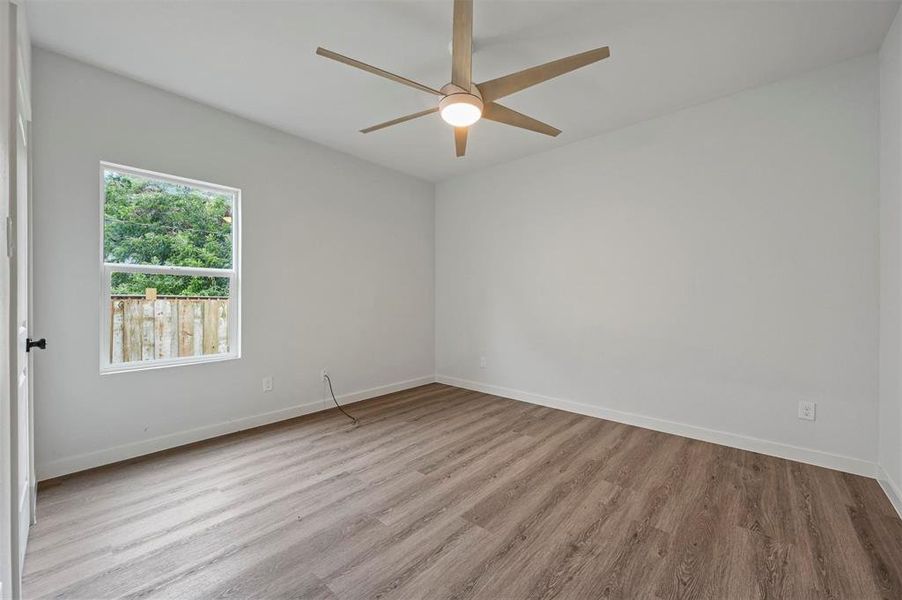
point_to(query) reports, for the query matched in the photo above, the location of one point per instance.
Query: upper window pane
(151, 221)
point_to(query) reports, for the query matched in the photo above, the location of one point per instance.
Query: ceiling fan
(464, 102)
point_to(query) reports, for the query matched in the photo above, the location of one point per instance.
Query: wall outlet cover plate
(807, 410)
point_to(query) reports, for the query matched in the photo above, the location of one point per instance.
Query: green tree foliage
(154, 222)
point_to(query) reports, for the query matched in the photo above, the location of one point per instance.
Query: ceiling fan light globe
(460, 110)
(461, 115)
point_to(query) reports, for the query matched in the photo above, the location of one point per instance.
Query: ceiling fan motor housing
(460, 108)
(460, 98)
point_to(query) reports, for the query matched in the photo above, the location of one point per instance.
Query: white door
(6, 367)
(16, 195)
(21, 255)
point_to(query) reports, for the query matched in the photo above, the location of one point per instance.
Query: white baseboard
(89, 460)
(892, 490)
(838, 462)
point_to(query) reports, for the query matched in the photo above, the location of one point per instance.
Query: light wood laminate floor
(447, 493)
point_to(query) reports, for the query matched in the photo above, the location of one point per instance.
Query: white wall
(890, 417)
(700, 272)
(337, 270)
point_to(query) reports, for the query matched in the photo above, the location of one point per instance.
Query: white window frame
(233, 274)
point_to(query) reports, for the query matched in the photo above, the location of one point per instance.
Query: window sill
(165, 364)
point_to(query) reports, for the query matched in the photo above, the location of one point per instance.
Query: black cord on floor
(329, 380)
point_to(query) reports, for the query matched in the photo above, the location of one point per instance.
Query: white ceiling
(255, 58)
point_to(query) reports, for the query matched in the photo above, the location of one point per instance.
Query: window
(170, 270)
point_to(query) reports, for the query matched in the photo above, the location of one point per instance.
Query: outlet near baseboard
(807, 410)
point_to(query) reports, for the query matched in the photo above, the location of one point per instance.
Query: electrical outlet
(267, 383)
(807, 410)
(483, 363)
(323, 374)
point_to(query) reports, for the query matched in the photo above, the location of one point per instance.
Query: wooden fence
(167, 327)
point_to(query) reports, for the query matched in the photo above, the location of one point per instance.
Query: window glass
(149, 322)
(156, 222)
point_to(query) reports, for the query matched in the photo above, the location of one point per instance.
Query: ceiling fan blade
(422, 113)
(460, 140)
(504, 86)
(462, 44)
(502, 114)
(376, 71)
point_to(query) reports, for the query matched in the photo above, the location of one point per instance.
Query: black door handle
(41, 343)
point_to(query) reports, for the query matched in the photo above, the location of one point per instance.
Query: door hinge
(10, 238)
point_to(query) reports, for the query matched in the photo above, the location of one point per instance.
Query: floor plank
(448, 493)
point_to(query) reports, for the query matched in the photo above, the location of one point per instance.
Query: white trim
(23, 499)
(150, 365)
(196, 183)
(88, 460)
(892, 489)
(233, 275)
(167, 270)
(838, 462)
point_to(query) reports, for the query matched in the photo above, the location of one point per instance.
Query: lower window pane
(164, 317)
